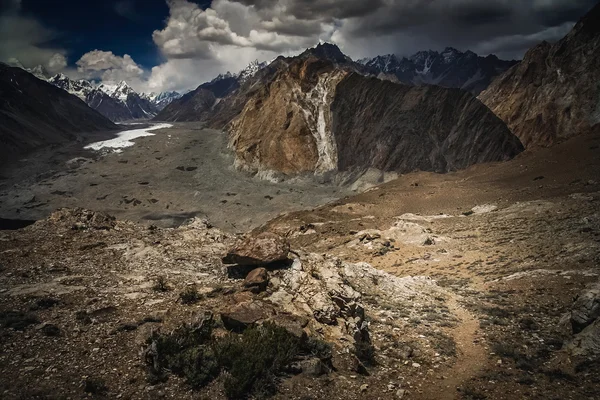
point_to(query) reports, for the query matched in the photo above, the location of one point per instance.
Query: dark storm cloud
(479, 13)
(506, 27)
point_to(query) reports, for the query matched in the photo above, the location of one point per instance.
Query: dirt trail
(472, 357)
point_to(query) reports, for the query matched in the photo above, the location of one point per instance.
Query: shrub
(251, 363)
(161, 285)
(189, 296)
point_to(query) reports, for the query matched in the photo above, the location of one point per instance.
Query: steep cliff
(553, 94)
(285, 126)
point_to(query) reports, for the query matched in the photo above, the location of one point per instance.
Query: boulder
(586, 308)
(312, 367)
(586, 343)
(265, 248)
(244, 315)
(256, 281)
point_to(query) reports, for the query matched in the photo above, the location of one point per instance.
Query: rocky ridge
(448, 68)
(116, 102)
(553, 93)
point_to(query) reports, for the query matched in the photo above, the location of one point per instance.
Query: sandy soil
(164, 180)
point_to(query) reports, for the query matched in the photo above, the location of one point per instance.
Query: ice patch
(124, 138)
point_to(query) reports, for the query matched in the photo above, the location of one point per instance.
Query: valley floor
(507, 246)
(164, 180)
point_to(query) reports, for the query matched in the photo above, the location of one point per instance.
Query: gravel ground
(179, 173)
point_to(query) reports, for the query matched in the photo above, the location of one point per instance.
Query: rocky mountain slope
(288, 118)
(35, 113)
(313, 115)
(553, 93)
(199, 104)
(450, 68)
(395, 127)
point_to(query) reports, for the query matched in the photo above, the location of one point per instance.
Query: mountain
(118, 102)
(80, 88)
(163, 99)
(450, 68)
(232, 91)
(317, 112)
(250, 70)
(35, 113)
(196, 104)
(314, 115)
(553, 93)
(38, 71)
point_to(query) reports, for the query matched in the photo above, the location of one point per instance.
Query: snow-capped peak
(122, 91)
(250, 70)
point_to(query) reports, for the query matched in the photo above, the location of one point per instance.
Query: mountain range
(317, 113)
(450, 68)
(118, 102)
(321, 111)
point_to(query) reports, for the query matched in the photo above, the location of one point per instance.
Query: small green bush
(250, 363)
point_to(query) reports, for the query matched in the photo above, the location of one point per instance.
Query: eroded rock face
(262, 249)
(553, 93)
(285, 126)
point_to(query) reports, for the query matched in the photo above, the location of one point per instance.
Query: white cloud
(109, 67)
(56, 63)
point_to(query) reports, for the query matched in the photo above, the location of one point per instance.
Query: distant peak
(451, 50)
(328, 51)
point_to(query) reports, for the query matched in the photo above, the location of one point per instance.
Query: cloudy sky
(159, 45)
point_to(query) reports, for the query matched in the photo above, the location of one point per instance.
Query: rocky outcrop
(586, 308)
(34, 113)
(285, 125)
(262, 249)
(553, 93)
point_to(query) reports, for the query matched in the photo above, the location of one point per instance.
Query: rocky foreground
(478, 284)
